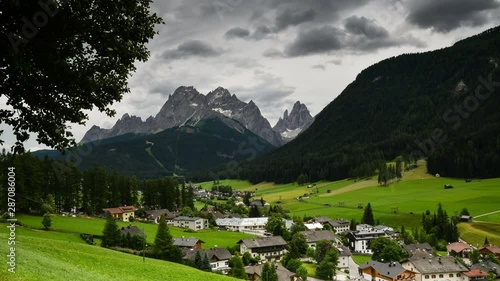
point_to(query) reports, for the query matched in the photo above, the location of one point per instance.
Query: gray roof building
(264, 242)
(316, 236)
(187, 242)
(391, 269)
(438, 265)
(411, 248)
(132, 230)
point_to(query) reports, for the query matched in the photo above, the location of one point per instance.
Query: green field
(47, 255)
(474, 233)
(409, 196)
(360, 259)
(235, 184)
(95, 226)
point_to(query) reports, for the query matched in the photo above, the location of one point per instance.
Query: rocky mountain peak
(295, 122)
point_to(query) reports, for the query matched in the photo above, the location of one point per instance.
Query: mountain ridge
(186, 106)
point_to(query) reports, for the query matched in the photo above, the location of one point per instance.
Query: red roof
(493, 249)
(457, 247)
(476, 272)
(120, 210)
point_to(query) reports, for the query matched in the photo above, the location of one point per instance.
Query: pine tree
(486, 241)
(111, 235)
(197, 260)
(206, 264)
(368, 215)
(163, 246)
(254, 212)
(265, 272)
(273, 274)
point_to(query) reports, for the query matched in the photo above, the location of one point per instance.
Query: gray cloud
(273, 53)
(261, 32)
(237, 32)
(192, 48)
(446, 15)
(366, 27)
(315, 41)
(289, 17)
(319, 66)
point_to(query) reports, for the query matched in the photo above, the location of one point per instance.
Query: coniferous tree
(111, 235)
(265, 272)
(273, 274)
(254, 212)
(206, 264)
(197, 260)
(368, 215)
(163, 246)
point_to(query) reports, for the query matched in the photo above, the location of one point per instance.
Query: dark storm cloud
(192, 48)
(315, 41)
(289, 17)
(366, 27)
(446, 15)
(237, 32)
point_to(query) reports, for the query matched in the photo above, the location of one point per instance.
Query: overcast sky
(276, 52)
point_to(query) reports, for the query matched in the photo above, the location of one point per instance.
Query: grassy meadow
(95, 226)
(47, 255)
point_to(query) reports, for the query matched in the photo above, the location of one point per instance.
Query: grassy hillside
(96, 225)
(475, 233)
(43, 255)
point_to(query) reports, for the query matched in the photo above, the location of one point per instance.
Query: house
(490, 250)
(132, 231)
(379, 271)
(465, 218)
(436, 268)
(254, 272)
(340, 225)
(218, 257)
(411, 248)
(187, 243)
(476, 274)
(122, 213)
(489, 267)
(313, 237)
(344, 257)
(313, 226)
(259, 203)
(193, 223)
(460, 249)
(360, 240)
(247, 224)
(154, 215)
(270, 248)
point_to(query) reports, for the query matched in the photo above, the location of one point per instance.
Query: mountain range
(186, 107)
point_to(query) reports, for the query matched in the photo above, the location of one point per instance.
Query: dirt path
(483, 215)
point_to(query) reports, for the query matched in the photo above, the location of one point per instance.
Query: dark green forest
(61, 187)
(441, 106)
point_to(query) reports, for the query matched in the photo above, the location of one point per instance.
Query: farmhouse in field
(313, 237)
(436, 268)
(254, 272)
(122, 213)
(188, 243)
(391, 271)
(270, 248)
(193, 223)
(243, 224)
(218, 257)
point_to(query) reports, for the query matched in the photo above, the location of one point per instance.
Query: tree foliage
(62, 58)
(386, 250)
(46, 221)
(238, 271)
(163, 247)
(111, 236)
(368, 215)
(277, 227)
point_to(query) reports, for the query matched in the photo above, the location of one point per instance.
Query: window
(451, 275)
(426, 276)
(458, 274)
(441, 276)
(433, 276)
